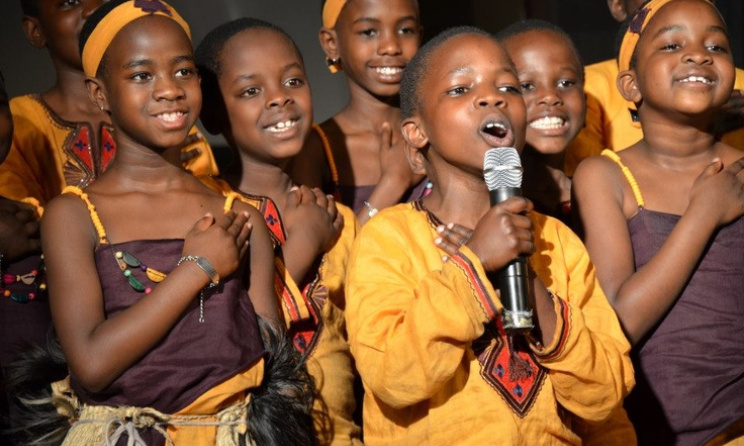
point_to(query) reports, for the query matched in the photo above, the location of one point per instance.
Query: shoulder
(601, 76)
(65, 215)
(595, 168)
(25, 104)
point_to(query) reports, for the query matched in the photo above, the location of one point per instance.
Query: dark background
(28, 70)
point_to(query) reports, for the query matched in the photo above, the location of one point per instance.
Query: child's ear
(97, 93)
(417, 144)
(617, 9)
(329, 43)
(626, 83)
(32, 30)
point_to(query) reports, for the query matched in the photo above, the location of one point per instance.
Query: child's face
(469, 103)
(6, 122)
(58, 27)
(684, 62)
(266, 95)
(151, 87)
(550, 76)
(376, 39)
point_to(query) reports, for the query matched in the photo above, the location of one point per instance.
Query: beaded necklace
(24, 287)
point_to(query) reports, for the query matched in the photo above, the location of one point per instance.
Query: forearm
(135, 331)
(644, 297)
(299, 256)
(388, 192)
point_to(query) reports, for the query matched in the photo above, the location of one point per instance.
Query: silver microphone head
(502, 168)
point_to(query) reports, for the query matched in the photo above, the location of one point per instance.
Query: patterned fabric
(49, 153)
(435, 363)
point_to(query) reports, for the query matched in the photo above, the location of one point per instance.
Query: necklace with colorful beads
(126, 260)
(22, 288)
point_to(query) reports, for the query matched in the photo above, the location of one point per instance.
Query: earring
(333, 65)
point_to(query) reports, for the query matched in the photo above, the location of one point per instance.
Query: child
(662, 222)
(357, 154)
(426, 333)
(612, 122)
(257, 95)
(61, 138)
(159, 349)
(551, 77)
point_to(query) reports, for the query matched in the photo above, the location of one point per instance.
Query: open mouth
(282, 126)
(388, 71)
(548, 123)
(171, 116)
(495, 129)
(697, 79)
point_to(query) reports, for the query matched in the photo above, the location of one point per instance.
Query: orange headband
(640, 20)
(331, 11)
(115, 20)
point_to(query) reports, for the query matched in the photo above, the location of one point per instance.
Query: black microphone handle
(513, 280)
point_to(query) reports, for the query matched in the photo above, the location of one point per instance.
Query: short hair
(208, 55)
(30, 8)
(90, 25)
(525, 26)
(410, 101)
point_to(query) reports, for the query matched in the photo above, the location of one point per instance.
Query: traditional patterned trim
(480, 291)
(563, 328)
(509, 369)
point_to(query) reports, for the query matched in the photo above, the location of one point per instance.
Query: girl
(551, 78)
(257, 95)
(662, 222)
(157, 284)
(356, 155)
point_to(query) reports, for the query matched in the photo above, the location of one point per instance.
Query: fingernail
(438, 240)
(450, 225)
(445, 258)
(440, 228)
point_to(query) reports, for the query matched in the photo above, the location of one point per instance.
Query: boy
(426, 333)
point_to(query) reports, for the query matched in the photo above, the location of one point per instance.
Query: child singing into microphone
(426, 331)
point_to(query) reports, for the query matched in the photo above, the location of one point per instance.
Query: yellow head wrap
(331, 11)
(641, 19)
(118, 18)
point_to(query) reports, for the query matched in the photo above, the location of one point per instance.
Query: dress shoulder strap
(92, 210)
(628, 176)
(328, 153)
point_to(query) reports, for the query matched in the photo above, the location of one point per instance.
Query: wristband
(207, 267)
(371, 210)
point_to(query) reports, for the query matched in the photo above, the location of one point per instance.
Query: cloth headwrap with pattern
(331, 11)
(118, 18)
(641, 18)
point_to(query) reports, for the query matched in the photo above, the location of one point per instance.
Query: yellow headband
(331, 11)
(115, 20)
(641, 19)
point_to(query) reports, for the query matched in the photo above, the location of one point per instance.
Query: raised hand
(719, 192)
(311, 215)
(394, 165)
(503, 233)
(19, 230)
(222, 241)
(451, 237)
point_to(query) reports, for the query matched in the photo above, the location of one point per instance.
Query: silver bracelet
(207, 267)
(371, 210)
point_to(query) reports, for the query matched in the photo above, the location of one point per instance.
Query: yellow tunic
(609, 117)
(435, 363)
(48, 153)
(315, 318)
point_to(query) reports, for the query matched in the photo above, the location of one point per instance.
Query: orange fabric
(641, 19)
(233, 391)
(115, 20)
(331, 11)
(413, 322)
(43, 159)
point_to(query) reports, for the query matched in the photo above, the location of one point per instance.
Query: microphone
(502, 170)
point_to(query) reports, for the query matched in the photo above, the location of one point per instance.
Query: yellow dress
(49, 153)
(436, 365)
(314, 317)
(610, 122)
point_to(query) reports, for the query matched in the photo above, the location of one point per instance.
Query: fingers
(204, 223)
(447, 246)
(321, 199)
(736, 167)
(455, 234)
(243, 239)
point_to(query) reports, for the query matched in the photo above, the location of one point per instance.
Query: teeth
(282, 126)
(170, 117)
(495, 129)
(388, 71)
(548, 123)
(702, 79)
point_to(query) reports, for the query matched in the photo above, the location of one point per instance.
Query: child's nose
(491, 98)
(549, 96)
(698, 54)
(389, 44)
(277, 98)
(167, 88)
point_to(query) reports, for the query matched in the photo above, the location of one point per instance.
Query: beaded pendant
(126, 261)
(23, 288)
